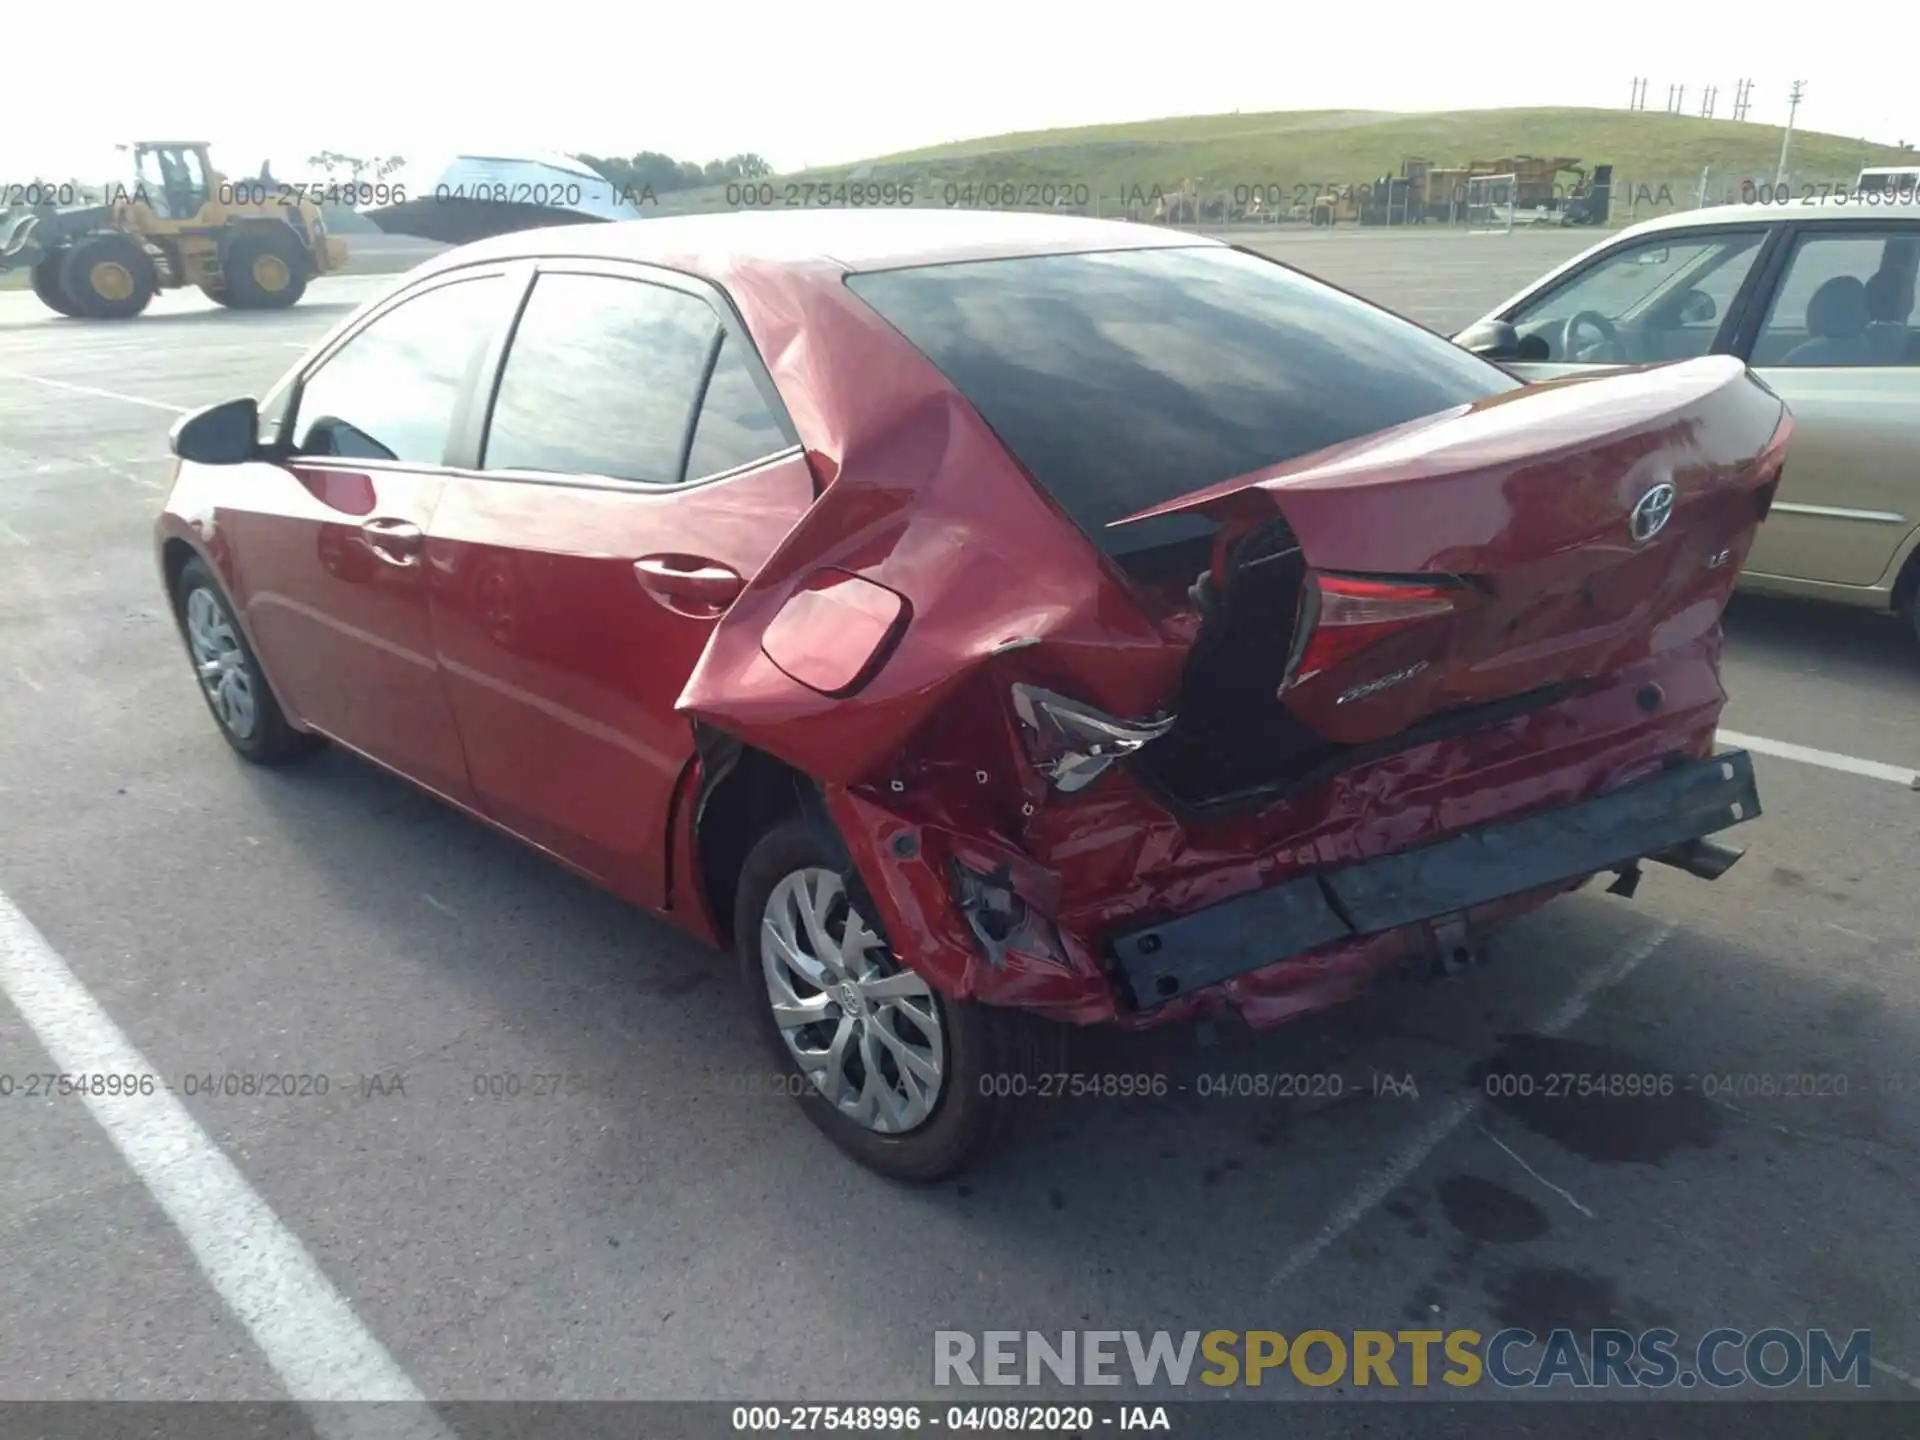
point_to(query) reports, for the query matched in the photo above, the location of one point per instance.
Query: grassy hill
(1301, 147)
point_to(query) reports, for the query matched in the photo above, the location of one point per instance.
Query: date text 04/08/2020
(912, 1419)
(1227, 1085)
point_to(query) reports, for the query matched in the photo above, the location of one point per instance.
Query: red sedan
(985, 622)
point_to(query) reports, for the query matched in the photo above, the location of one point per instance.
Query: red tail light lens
(1341, 615)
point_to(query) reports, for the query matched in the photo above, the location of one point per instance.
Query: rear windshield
(1125, 378)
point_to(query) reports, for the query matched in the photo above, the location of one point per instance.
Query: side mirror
(223, 434)
(1697, 307)
(1490, 340)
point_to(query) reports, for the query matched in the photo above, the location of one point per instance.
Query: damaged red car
(985, 624)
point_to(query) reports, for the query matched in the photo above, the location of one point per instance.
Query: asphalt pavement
(675, 1230)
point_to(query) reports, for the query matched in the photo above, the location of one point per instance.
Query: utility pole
(1707, 101)
(1793, 109)
(1742, 99)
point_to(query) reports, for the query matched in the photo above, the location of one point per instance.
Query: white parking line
(1784, 750)
(102, 394)
(1906, 1377)
(123, 473)
(304, 1327)
(1456, 1112)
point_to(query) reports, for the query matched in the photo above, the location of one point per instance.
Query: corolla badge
(1385, 682)
(1650, 513)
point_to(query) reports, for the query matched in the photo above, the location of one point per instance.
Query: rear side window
(601, 378)
(1127, 378)
(736, 426)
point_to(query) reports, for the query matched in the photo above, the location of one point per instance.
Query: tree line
(663, 173)
(647, 170)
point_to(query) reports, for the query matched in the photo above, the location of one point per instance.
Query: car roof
(837, 240)
(1712, 217)
(1822, 208)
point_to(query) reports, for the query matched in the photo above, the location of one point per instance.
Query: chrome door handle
(681, 578)
(397, 542)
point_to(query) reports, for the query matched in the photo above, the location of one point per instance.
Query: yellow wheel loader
(251, 244)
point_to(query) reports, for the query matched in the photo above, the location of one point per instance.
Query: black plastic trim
(1689, 800)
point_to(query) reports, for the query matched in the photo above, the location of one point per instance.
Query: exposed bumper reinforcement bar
(1664, 817)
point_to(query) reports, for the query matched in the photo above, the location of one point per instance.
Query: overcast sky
(840, 80)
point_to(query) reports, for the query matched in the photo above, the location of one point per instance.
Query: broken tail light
(1072, 744)
(1342, 615)
(1000, 919)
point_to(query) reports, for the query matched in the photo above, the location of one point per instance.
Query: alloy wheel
(221, 664)
(864, 1030)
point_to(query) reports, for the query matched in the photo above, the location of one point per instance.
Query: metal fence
(1201, 206)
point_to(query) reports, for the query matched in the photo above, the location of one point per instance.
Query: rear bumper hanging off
(1651, 818)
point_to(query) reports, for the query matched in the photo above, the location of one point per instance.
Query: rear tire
(927, 1129)
(264, 271)
(231, 681)
(108, 277)
(45, 277)
(1906, 596)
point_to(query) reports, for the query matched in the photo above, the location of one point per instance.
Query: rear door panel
(577, 576)
(561, 666)
(1850, 494)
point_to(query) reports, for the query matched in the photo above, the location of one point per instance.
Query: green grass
(1355, 146)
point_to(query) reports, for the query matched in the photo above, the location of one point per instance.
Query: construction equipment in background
(1337, 205)
(1418, 194)
(1425, 193)
(1538, 188)
(252, 244)
(1592, 202)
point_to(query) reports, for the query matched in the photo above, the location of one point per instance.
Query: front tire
(108, 277)
(45, 277)
(897, 1075)
(231, 680)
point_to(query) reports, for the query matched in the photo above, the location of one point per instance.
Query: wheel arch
(1906, 580)
(743, 793)
(269, 228)
(176, 553)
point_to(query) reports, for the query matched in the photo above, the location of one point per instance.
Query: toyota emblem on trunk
(1650, 513)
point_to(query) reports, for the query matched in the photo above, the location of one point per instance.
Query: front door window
(1661, 298)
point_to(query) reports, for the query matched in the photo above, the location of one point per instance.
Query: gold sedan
(1819, 299)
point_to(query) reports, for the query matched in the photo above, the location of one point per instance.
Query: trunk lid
(1505, 548)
